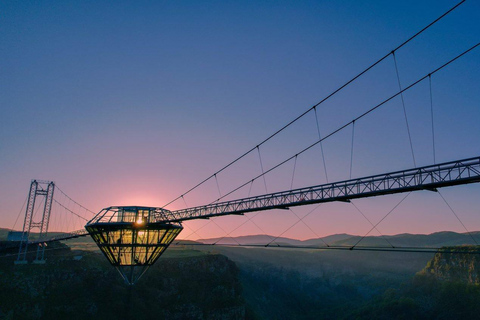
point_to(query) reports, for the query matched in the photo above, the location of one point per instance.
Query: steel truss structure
(38, 188)
(60, 237)
(423, 178)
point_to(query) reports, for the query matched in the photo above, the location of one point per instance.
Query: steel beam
(424, 178)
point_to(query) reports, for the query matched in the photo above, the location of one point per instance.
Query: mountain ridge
(435, 239)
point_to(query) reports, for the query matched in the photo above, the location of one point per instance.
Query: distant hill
(433, 240)
(260, 239)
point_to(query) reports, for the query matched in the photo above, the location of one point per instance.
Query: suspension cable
(350, 248)
(375, 226)
(218, 186)
(404, 110)
(75, 214)
(320, 102)
(78, 204)
(19, 213)
(456, 216)
(321, 145)
(301, 219)
(249, 219)
(352, 121)
(431, 114)
(261, 167)
(293, 174)
(316, 207)
(351, 151)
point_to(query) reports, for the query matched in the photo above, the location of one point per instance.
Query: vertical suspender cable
(218, 186)
(263, 172)
(19, 213)
(250, 189)
(404, 109)
(357, 118)
(321, 144)
(293, 174)
(431, 113)
(456, 216)
(376, 225)
(351, 151)
(323, 100)
(183, 198)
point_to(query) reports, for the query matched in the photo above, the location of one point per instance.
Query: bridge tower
(38, 188)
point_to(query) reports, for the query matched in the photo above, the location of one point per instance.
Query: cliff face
(463, 266)
(197, 286)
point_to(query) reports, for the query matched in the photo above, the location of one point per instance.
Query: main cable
(445, 250)
(317, 104)
(78, 204)
(351, 122)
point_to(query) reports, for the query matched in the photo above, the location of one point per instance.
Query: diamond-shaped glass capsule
(133, 238)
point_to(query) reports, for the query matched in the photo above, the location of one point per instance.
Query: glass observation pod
(133, 238)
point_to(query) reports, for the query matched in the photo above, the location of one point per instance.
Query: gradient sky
(134, 102)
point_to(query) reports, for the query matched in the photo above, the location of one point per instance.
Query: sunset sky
(135, 102)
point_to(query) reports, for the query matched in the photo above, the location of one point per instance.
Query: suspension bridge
(133, 237)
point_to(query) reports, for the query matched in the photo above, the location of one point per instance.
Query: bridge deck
(65, 236)
(424, 178)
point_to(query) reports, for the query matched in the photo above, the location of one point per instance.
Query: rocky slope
(190, 286)
(462, 266)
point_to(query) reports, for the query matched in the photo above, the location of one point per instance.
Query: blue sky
(135, 102)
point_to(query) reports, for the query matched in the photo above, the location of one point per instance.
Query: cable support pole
(320, 102)
(354, 120)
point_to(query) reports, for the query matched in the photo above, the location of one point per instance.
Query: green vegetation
(188, 283)
(200, 282)
(303, 284)
(424, 297)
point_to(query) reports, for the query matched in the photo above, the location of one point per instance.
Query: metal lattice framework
(60, 237)
(424, 178)
(38, 188)
(132, 238)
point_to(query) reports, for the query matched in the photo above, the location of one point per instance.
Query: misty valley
(193, 281)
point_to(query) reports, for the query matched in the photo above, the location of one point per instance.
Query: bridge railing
(423, 178)
(63, 236)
